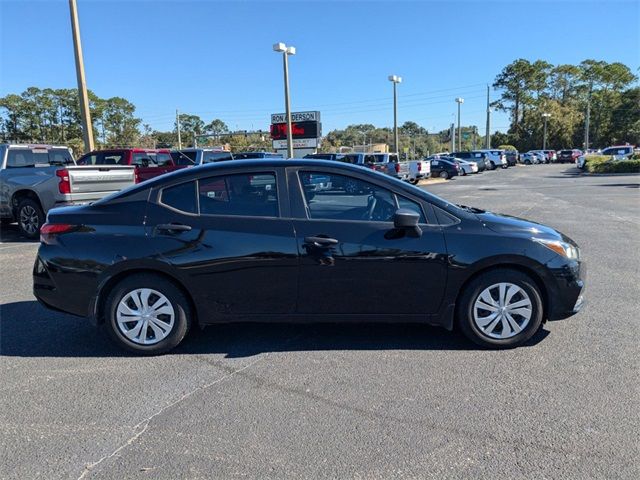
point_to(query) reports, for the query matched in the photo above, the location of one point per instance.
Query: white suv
(497, 158)
(619, 152)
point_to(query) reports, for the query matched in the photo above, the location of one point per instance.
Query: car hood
(513, 225)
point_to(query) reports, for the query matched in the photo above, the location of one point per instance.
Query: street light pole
(87, 127)
(286, 51)
(395, 80)
(459, 101)
(544, 136)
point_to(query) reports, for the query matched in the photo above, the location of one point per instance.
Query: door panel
(232, 264)
(366, 272)
(352, 259)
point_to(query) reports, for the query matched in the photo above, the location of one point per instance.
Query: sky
(215, 58)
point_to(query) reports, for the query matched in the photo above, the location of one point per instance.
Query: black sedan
(283, 240)
(444, 168)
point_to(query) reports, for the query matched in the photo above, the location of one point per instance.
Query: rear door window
(144, 160)
(252, 195)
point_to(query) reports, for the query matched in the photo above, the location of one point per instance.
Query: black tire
(527, 162)
(30, 218)
(493, 166)
(181, 307)
(413, 181)
(444, 174)
(467, 299)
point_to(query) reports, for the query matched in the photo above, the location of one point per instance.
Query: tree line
(526, 91)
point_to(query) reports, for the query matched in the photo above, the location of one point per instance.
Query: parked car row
(35, 178)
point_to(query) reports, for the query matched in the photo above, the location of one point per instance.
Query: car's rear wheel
(444, 174)
(30, 218)
(501, 309)
(413, 181)
(147, 314)
(493, 166)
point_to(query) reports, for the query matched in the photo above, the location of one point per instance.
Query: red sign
(298, 129)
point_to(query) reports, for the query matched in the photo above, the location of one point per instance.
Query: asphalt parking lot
(336, 401)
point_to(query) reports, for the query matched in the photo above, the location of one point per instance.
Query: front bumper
(567, 297)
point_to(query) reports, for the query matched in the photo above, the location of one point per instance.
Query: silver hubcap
(29, 220)
(145, 316)
(502, 310)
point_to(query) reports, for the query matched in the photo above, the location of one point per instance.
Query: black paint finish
(291, 268)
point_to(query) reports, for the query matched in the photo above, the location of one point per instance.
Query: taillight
(136, 176)
(419, 166)
(48, 231)
(397, 168)
(64, 186)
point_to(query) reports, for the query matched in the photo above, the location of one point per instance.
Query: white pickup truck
(37, 178)
(413, 171)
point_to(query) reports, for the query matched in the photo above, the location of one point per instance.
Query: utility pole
(453, 138)
(587, 120)
(178, 128)
(544, 136)
(286, 51)
(459, 101)
(487, 142)
(87, 127)
(395, 80)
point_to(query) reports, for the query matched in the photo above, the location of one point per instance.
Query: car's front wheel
(501, 309)
(147, 314)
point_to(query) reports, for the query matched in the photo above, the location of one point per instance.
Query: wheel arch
(527, 270)
(21, 194)
(98, 305)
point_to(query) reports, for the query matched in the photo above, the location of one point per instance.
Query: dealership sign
(297, 143)
(295, 117)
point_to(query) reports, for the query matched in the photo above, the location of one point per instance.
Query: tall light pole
(395, 80)
(286, 51)
(544, 136)
(487, 142)
(87, 127)
(459, 101)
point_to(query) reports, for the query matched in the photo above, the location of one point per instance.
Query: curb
(430, 181)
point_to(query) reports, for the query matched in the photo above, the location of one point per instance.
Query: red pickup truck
(148, 163)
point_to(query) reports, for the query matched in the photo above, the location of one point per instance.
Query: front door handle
(173, 227)
(320, 241)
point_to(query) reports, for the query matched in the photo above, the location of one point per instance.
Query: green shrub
(507, 147)
(604, 164)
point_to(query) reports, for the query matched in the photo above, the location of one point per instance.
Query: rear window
(184, 158)
(210, 157)
(181, 197)
(32, 157)
(144, 159)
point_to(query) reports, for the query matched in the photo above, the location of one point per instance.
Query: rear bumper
(51, 292)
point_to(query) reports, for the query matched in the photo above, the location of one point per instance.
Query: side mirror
(405, 219)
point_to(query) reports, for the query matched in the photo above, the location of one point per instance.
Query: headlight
(563, 249)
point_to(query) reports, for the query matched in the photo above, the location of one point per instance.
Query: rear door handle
(173, 227)
(320, 241)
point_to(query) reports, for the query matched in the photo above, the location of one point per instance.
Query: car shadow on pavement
(29, 330)
(11, 233)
